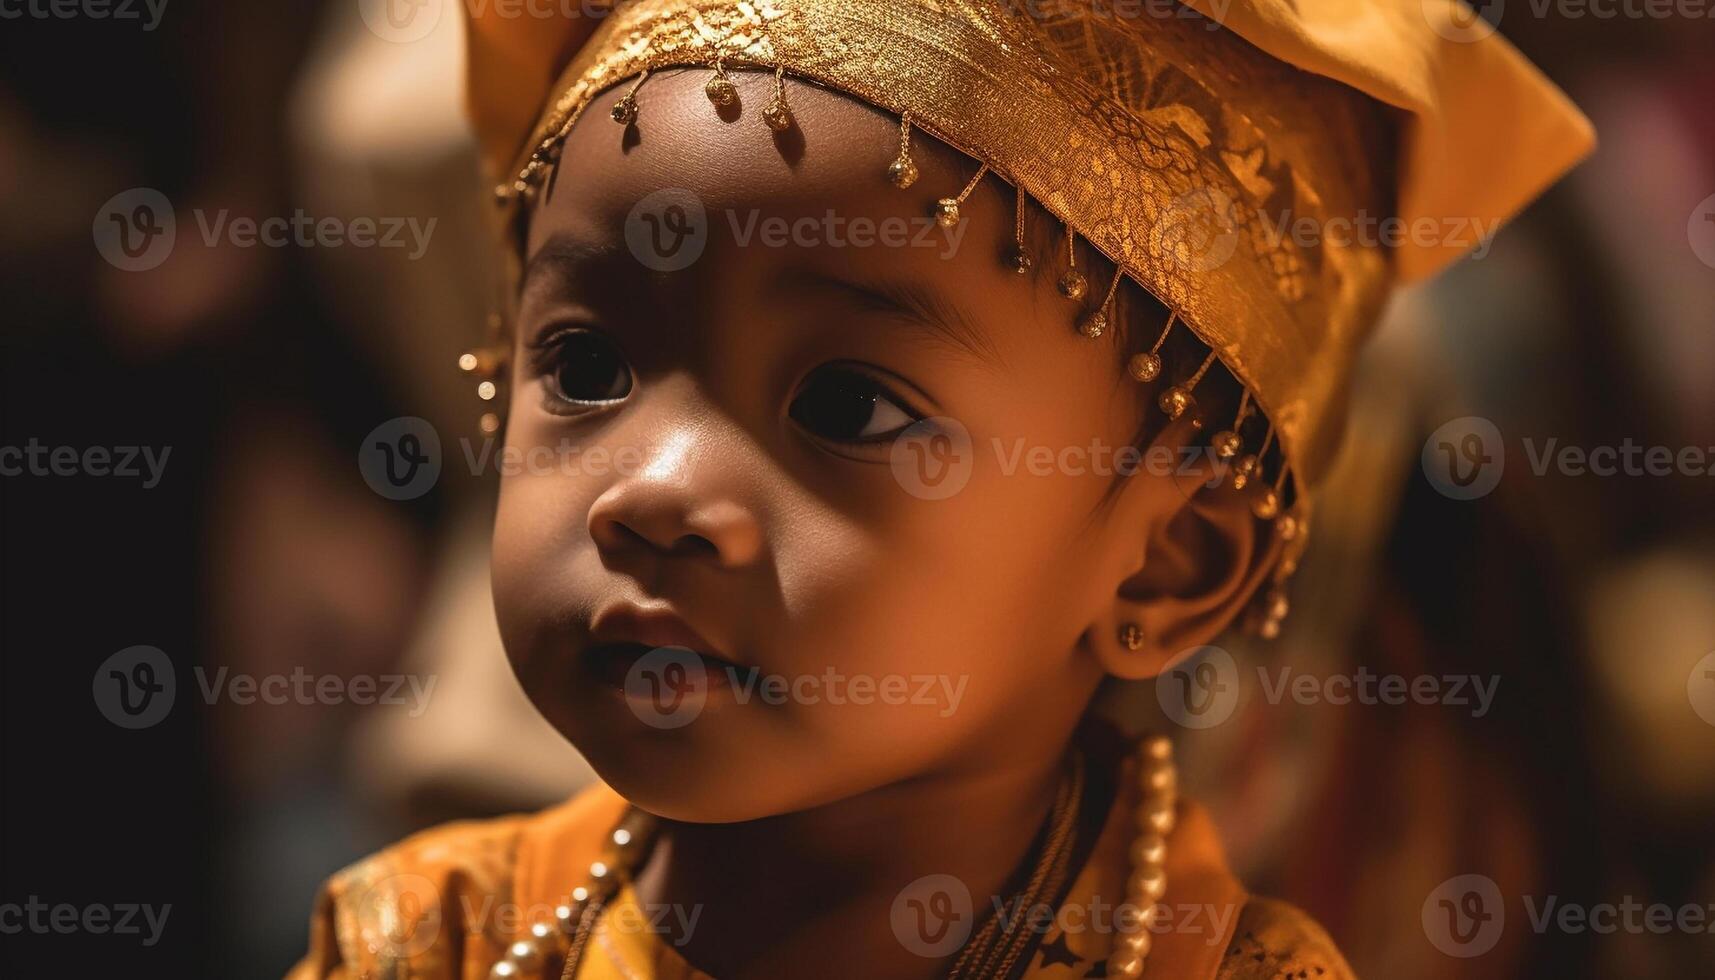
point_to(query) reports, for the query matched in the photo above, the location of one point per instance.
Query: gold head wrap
(1177, 140)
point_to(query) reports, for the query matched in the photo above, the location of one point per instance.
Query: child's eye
(583, 367)
(841, 404)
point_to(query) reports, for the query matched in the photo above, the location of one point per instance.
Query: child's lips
(626, 636)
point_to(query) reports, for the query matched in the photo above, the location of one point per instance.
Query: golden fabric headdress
(1179, 141)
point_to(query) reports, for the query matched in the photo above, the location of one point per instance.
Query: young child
(926, 367)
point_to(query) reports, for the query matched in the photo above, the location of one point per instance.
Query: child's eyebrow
(909, 302)
(562, 256)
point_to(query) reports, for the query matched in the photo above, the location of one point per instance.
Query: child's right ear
(1204, 555)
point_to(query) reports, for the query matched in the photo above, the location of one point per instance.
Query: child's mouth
(638, 670)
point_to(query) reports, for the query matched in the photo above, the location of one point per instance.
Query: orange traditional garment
(447, 903)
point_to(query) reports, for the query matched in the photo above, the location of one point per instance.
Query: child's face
(714, 458)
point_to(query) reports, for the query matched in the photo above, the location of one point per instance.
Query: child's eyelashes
(581, 369)
(840, 404)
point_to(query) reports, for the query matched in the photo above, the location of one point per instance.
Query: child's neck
(811, 893)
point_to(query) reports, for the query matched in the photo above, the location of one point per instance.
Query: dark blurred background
(262, 550)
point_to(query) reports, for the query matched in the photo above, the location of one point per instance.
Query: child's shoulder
(447, 899)
(1274, 939)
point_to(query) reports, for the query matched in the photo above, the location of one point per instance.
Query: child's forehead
(834, 157)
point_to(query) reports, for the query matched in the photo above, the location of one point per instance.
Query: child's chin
(694, 781)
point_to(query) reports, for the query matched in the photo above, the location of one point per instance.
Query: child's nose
(676, 506)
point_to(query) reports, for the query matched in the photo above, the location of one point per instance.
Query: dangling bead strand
(1146, 367)
(902, 172)
(1019, 259)
(778, 113)
(720, 89)
(1073, 285)
(1228, 443)
(947, 208)
(1097, 322)
(1181, 398)
(1247, 465)
(625, 110)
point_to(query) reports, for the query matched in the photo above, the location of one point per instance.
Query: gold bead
(489, 423)
(1094, 325)
(625, 110)
(1148, 850)
(1159, 820)
(1175, 402)
(598, 870)
(777, 114)
(1270, 629)
(566, 917)
(1158, 747)
(526, 954)
(1145, 367)
(902, 173)
(545, 935)
(721, 91)
(1073, 285)
(505, 970)
(1131, 636)
(580, 894)
(621, 837)
(1020, 261)
(1267, 506)
(1147, 885)
(1125, 963)
(1288, 527)
(1242, 471)
(1227, 444)
(1277, 605)
(1137, 942)
(1160, 778)
(947, 212)
(486, 391)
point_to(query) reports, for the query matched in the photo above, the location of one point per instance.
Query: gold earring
(1131, 636)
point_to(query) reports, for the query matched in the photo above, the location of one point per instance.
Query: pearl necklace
(576, 923)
